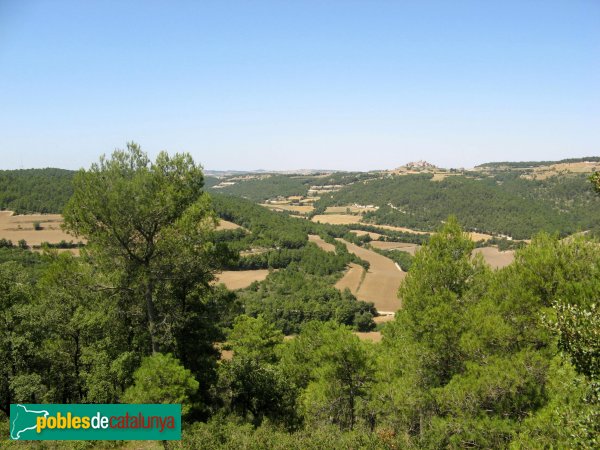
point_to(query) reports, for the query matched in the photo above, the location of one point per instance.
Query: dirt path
(381, 282)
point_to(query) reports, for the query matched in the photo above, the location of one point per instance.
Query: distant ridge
(227, 173)
(529, 164)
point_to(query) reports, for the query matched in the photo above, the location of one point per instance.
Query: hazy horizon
(284, 86)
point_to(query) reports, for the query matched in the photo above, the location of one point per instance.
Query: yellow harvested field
(321, 243)
(373, 236)
(381, 282)
(495, 257)
(351, 279)
(19, 227)
(390, 245)
(544, 172)
(373, 336)
(479, 236)
(303, 209)
(239, 279)
(336, 219)
(226, 225)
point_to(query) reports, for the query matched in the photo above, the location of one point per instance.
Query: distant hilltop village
(416, 167)
(420, 165)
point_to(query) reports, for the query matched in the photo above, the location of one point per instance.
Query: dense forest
(476, 358)
(267, 186)
(35, 190)
(501, 204)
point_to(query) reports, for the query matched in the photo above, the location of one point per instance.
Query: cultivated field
(381, 282)
(336, 219)
(302, 209)
(17, 227)
(495, 257)
(352, 279)
(240, 279)
(321, 243)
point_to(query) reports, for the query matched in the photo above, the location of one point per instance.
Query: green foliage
(146, 223)
(254, 338)
(220, 434)
(162, 379)
(35, 190)
(595, 180)
(269, 229)
(292, 297)
(470, 360)
(340, 381)
(579, 336)
(18, 344)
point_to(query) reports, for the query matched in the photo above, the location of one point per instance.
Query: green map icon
(23, 419)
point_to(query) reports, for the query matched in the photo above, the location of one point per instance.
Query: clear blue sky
(300, 84)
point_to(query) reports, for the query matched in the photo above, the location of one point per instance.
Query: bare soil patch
(383, 318)
(495, 257)
(226, 225)
(474, 236)
(240, 279)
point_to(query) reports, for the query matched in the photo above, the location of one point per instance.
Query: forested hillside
(268, 186)
(35, 190)
(502, 204)
(528, 164)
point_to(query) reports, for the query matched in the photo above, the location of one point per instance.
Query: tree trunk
(151, 315)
